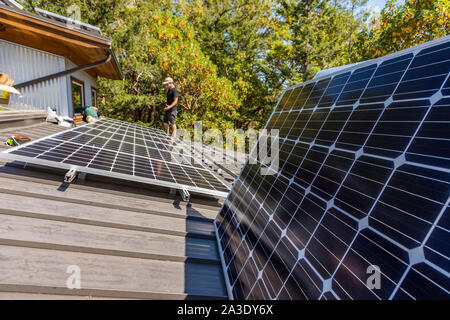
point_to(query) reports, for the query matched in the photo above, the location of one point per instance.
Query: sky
(377, 5)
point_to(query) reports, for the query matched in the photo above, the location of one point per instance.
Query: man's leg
(173, 124)
(174, 130)
(166, 127)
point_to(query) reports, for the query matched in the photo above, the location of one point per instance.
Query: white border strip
(222, 260)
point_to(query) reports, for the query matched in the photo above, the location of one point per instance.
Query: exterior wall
(23, 64)
(89, 82)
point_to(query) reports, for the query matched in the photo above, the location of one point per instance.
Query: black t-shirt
(171, 95)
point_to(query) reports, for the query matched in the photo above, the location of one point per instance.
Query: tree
(153, 42)
(357, 16)
(319, 37)
(156, 43)
(236, 35)
(401, 26)
(100, 13)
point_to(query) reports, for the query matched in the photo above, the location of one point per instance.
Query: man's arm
(175, 101)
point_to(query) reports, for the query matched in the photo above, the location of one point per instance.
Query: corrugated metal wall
(23, 64)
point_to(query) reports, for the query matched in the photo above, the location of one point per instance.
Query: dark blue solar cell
(247, 279)
(305, 221)
(330, 176)
(356, 85)
(238, 290)
(333, 125)
(65, 136)
(316, 93)
(247, 214)
(410, 204)
(369, 249)
(284, 99)
(431, 145)
(303, 283)
(293, 155)
(386, 79)
(276, 121)
(257, 227)
(395, 128)
(276, 192)
(56, 157)
(288, 206)
(290, 121)
(314, 124)
(259, 292)
(363, 185)
(299, 124)
(424, 283)
(260, 255)
(437, 247)
(334, 90)
(27, 153)
(235, 240)
(426, 74)
(359, 126)
(310, 166)
(279, 266)
(330, 242)
(240, 255)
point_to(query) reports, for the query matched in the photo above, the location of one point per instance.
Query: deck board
(104, 275)
(103, 240)
(131, 241)
(99, 216)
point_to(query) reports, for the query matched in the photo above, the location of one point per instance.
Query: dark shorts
(170, 117)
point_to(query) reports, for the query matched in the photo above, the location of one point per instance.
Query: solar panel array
(363, 185)
(123, 150)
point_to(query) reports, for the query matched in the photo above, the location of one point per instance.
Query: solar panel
(122, 150)
(362, 191)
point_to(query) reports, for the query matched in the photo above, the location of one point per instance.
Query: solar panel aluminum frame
(414, 50)
(6, 155)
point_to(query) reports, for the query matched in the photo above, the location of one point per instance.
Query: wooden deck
(129, 240)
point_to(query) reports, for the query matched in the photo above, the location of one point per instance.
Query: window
(78, 101)
(94, 96)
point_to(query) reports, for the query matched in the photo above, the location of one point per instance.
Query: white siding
(23, 64)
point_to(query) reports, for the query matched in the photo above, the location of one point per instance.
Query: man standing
(170, 111)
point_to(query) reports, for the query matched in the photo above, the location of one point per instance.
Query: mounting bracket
(185, 195)
(70, 176)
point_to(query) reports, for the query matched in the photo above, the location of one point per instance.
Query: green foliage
(156, 43)
(321, 34)
(231, 59)
(235, 35)
(401, 26)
